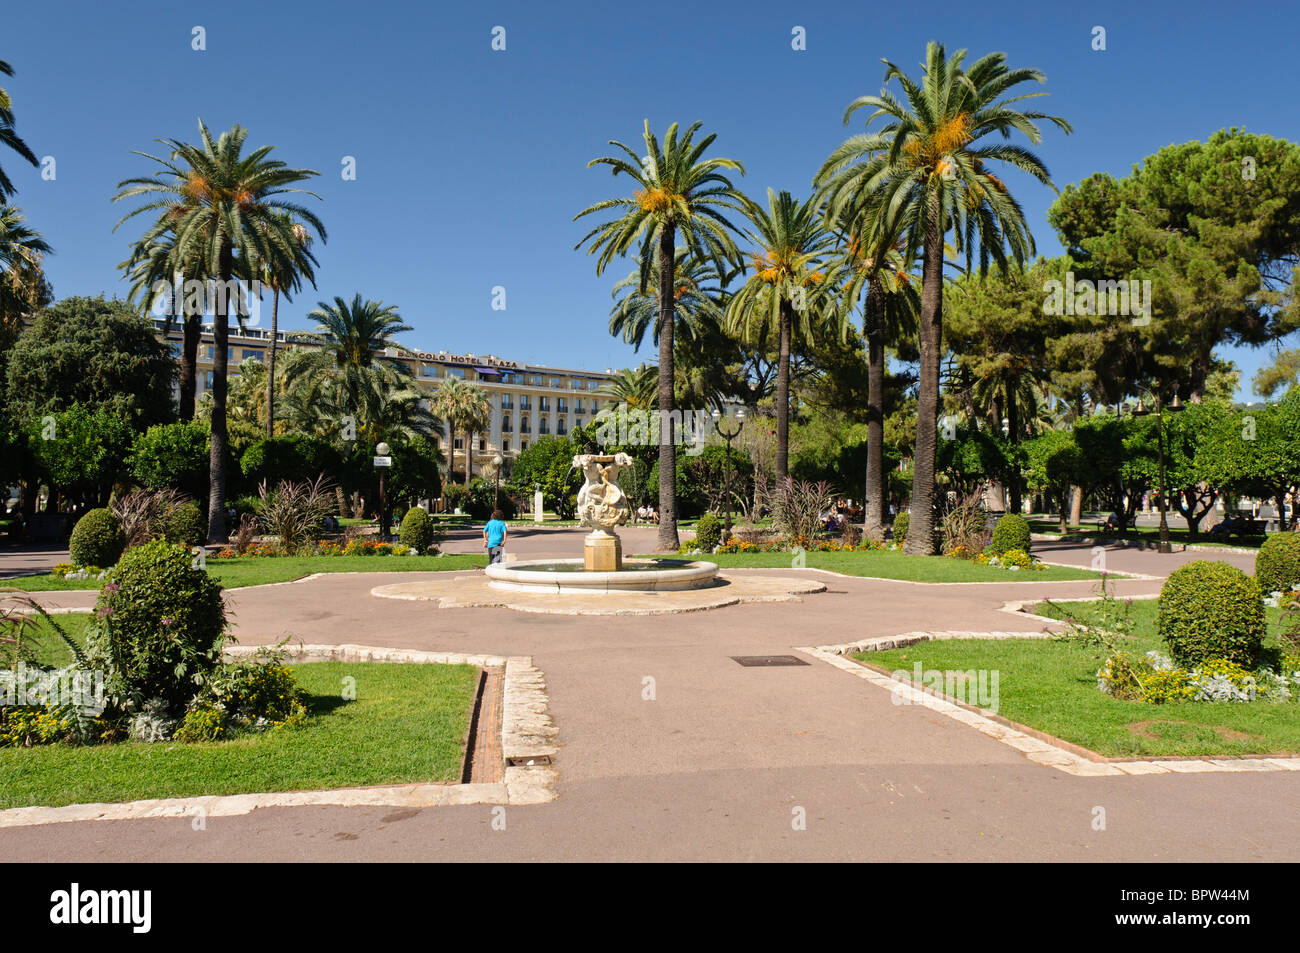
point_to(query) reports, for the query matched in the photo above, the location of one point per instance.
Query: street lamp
(496, 495)
(740, 423)
(1139, 411)
(382, 462)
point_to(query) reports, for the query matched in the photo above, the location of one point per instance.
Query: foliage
(1154, 679)
(964, 528)
(81, 452)
(1011, 532)
(97, 539)
(902, 522)
(160, 630)
(483, 499)
(1211, 610)
(296, 458)
(708, 532)
(187, 525)
(1277, 564)
(457, 497)
(798, 507)
(295, 512)
(257, 695)
(548, 462)
(173, 456)
(145, 514)
(418, 530)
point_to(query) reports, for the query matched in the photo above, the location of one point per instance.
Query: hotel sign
(466, 359)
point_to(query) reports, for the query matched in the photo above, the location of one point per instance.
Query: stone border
(1037, 747)
(527, 731)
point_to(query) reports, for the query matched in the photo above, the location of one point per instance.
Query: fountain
(603, 507)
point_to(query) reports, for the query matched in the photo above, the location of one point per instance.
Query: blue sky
(471, 163)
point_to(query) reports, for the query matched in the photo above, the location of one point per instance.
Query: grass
(892, 564)
(408, 723)
(1051, 685)
(1150, 534)
(257, 571)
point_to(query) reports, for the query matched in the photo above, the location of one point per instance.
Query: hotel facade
(528, 401)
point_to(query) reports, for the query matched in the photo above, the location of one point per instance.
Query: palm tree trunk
(1013, 433)
(469, 458)
(920, 533)
(270, 364)
(667, 541)
(783, 394)
(874, 507)
(191, 331)
(219, 443)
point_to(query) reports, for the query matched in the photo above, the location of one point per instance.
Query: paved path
(713, 767)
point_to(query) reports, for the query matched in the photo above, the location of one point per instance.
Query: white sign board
(537, 506)
(383, 461)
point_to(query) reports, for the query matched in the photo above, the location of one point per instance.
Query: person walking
(494, 537)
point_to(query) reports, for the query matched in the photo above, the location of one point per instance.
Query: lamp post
(728, 436)
(1140, 410)
(381, 454)
(496, 494)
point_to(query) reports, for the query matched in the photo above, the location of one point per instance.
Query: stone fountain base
(602, 552)
(559, 576)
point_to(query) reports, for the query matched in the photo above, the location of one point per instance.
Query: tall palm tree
(876, 263)
(928, 164)
(7, 135)
(678, 191)
(285, 274)
(466, 407)
(23, 287)
(787, 294)
(352, 338)
(230, 219)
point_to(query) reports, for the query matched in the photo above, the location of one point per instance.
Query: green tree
(928, 159)
(548, 463)
(8, 136)
(679, 193)
(23, 287)
(172, 456)
(227, 211)
(80, 452)
(466, 407)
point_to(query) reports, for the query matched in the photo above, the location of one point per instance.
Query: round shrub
(97, 539)
(901, 522)
(1011, 532)
(161, 627)
(1210, 610)
(708, 532)
(418, 530)
(1277, 565)
(187, 525)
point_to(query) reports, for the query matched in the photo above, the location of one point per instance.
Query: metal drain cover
(750, 661)
(528, 761)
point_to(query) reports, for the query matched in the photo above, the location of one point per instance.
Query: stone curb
(527, 731)
(1036, 749)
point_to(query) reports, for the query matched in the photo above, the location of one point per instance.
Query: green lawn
(892, 564)
(256, 571)
(1051, 685)
(408, 723)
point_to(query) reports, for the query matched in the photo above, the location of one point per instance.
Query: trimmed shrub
(899, 529)
(1210, 610)
(418, 530)
(1277, 565)
(186, 525)
(161, 628)
(1011, 532)
(708, 532)
(97, 539)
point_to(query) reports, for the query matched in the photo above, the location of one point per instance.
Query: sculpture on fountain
(602, 505)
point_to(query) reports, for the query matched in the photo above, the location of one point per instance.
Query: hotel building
(528, 400)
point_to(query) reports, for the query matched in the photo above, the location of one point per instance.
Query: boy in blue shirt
(494, 537)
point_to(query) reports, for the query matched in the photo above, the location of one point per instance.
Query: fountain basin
(569, 575)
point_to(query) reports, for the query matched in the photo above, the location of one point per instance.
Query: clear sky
(470, 163)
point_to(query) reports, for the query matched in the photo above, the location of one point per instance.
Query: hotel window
(177, 348)
(525, 425)
(560, 427)
(255, 355)
(561, 405)
(555, 382)
(507, 402)
(429, 370)
(505, 446)
(544, 404)
(457, 444)
(207, 380)
(595, 406)
(212, 353)
(544, 425)
(523, 445)
(577, 406)
(525, 402)
(507, 378)
(482, 446)
(577, 423)
(505, 424)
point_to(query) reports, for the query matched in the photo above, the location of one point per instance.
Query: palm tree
(285, 274)
(23, 287)
(7, 135)
(466, 407)
(928, 166)
(352, 338)
(230, 218)
(876, 261)
(678, 191)
(636, 387)
(787, 294)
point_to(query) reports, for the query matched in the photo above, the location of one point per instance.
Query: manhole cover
(750, 661)
(528, 761)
